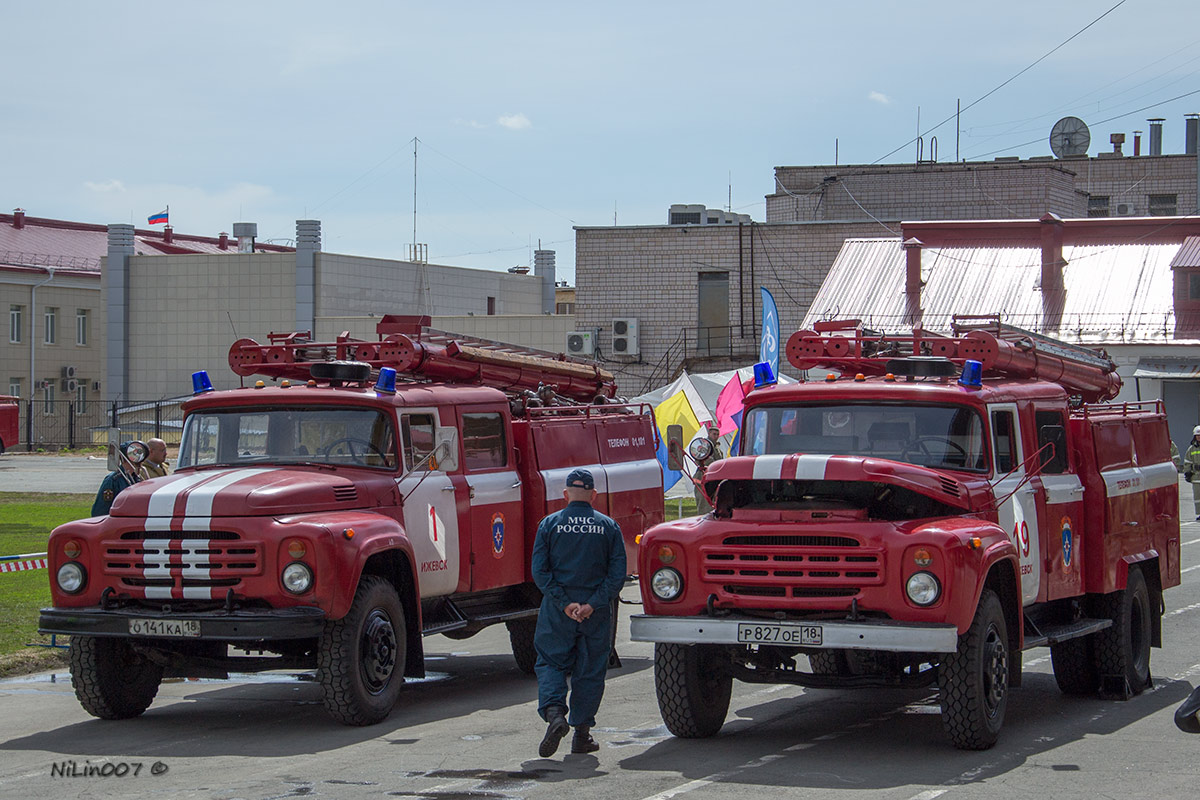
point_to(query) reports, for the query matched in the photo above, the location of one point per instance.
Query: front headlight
(297, 578)
(71, 577)
(923, 588)
(667, 584)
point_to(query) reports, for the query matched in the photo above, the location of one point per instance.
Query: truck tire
(829, 662)
(1123, 650)
(111, 679)
(693, 688)
(520, 636)
(360, 660)
(973, 681)
(1074, 664)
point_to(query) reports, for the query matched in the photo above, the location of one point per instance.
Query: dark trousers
(576, 649)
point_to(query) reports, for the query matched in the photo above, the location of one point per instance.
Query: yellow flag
(676, 410)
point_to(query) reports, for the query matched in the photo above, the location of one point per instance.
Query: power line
(1005, 83)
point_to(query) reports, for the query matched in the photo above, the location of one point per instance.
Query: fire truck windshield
(939, 436)
(335, 436)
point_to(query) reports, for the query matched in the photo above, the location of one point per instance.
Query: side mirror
(1187, 716)
(445, 454)
(137, 452)
(700, 449)
(675, 448)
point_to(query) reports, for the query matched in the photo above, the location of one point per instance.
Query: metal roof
(1114, 293)
(64, 244)
(1189, 253)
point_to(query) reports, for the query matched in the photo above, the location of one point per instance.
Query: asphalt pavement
(39, 473)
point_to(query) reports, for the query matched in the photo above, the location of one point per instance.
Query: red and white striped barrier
(23, 562)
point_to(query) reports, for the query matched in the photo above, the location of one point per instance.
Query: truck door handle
(515, 485)
(447, 488)
(1078, 490)
(1130, 523)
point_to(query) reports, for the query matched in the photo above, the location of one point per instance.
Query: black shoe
(556, 729)
(583, 742)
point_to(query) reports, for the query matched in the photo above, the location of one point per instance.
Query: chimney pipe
(544, 268)
(1156, 126)
(912, 280)
(223, 240)
(1191, 128)
(168, 234)
(1117, 139)
(1052, 257)
(18, 218)
(1137, 143)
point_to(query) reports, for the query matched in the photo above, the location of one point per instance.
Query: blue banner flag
(768, 350)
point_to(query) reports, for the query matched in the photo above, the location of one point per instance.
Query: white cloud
(879, 97)
(112, 185)
(515, 122)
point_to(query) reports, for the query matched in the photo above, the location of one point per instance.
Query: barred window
(1098, 206)
(1162, 205)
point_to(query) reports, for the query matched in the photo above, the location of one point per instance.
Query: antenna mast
(414, 142)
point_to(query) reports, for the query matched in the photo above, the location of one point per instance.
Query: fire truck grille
(167, 560)
(793, 566)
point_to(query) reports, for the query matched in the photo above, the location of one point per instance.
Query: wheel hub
(378, 650)
(995, 671)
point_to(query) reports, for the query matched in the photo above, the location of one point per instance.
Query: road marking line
(1192, 607)
(684, 788)
(929, 794)
(1189, 569)
(1193, 541)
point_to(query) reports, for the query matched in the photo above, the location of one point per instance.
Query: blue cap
(581, 479)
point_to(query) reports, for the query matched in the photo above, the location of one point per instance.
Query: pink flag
(729, 403)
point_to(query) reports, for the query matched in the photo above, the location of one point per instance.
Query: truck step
(1047, 635)
(442, 616)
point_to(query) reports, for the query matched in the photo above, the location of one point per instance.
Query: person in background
(155, 465)
(125, 475)
(1191, 465)
(579, 564)
(714, 436)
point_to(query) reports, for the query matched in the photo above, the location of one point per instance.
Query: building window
(14, 324)
(51, 325)
(14, 387)
(564, 308)
(1098, 207)
(81, 326)
(81, 397)
(685, 217)
(491, 306)
(48, 397)
(1193, 285)
(1162, 205)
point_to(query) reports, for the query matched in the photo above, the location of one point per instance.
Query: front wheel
(111, 679)
(360, 662)
(973, 681)
(1123, 650)
(693, 688)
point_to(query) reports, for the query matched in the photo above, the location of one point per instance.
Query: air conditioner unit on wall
(95, 386)
(581, 343)
(1124, 209)
(625, 337)
(68, 372)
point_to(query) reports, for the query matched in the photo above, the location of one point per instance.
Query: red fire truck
(379, 492)
(940, 506)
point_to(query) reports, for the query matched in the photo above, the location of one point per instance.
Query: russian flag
(160, 217)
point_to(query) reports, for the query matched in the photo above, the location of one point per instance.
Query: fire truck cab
(922, 518)
(332, 521)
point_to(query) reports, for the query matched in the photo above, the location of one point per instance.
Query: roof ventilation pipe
(1156, 126)
(543, 267)
(246, 233)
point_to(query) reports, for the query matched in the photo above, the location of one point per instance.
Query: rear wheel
(1074, 664)
(520, 636)
(360, 663)
(111, 679)
(1123, 650)
(973, 681)
(693, 688)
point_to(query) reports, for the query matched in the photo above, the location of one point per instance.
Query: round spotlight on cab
(297, 578)
(923, 588)
(667, 584)
(71, 577)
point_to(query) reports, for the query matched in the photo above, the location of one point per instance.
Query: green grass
(25, 524)
(672, 506)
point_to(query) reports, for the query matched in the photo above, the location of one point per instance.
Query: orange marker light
(348, 533)
(72, 549)
(922, 558)
(285, 383)
(259, 385)
(859, 378)
(666, 554)
(890, 378)
(637, 539)
(975, 543)
(312, 384)
(296, 549)
(830, 377)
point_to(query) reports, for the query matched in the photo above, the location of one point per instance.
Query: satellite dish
(1070, 137)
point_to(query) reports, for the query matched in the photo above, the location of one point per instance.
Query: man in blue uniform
(124, 475)
(579, 564)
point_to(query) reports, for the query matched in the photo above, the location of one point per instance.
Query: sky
(532, 118)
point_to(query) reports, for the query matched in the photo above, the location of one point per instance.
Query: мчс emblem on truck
(380, 491)
(944, 504)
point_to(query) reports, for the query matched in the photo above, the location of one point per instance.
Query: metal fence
(70, 424)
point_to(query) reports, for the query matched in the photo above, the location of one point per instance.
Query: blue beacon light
(201, 383)
(764, 375)
(387, 381)
(972, 374)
